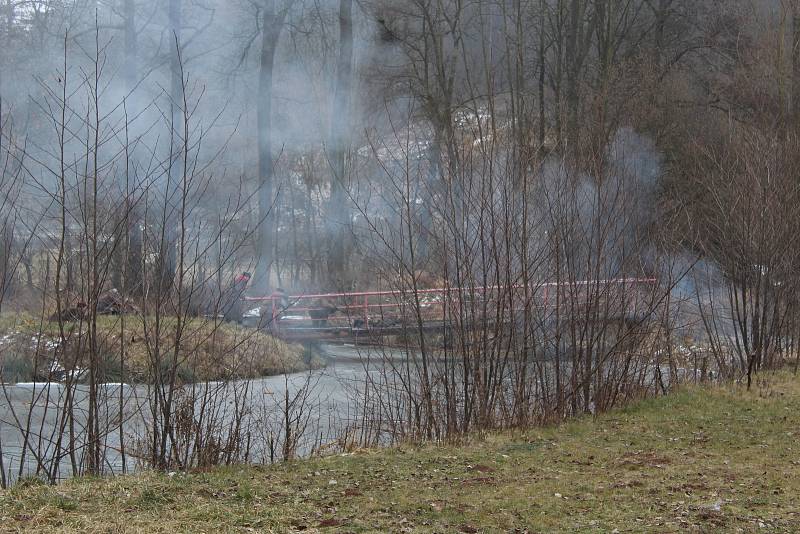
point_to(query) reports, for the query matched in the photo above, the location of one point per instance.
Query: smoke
(601, 224)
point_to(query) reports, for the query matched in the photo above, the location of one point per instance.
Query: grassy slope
(718, 460)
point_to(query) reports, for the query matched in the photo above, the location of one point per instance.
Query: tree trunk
(795, 64)
(8, 9)
(169, 261)
(661, 16)
(131, 45)
(133, 278)
(542, 72)
(572, 68)
(338, 213)
(272, 23)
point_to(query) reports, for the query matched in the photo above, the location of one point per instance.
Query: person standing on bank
(234, 310)
(271, 312)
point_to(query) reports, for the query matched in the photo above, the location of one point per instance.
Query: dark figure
(74, 313)
(281, 299)
(108, 303)
(320, 314)
(113, 303)
(233, 310)
(275, 307)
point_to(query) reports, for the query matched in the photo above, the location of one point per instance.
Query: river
(328, 408)
(326, 400)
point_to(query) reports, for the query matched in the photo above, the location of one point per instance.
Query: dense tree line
(300, 92)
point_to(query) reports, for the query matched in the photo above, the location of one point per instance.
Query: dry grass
(210, 350)
(702, 460)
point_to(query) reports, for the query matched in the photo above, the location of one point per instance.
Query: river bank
(31, 350)
(702, 459)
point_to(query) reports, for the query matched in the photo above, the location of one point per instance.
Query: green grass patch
(702, 460)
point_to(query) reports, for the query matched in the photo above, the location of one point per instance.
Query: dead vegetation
(210, 350)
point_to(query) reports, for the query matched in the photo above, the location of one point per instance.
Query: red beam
(295, 298)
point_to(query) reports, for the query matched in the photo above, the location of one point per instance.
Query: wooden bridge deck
(364, 316)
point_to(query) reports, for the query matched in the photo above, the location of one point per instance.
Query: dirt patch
(640, 459)
(484, 469)
(628, 484)
(479, 481)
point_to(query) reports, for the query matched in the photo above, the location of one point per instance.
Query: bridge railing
(365, 309)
